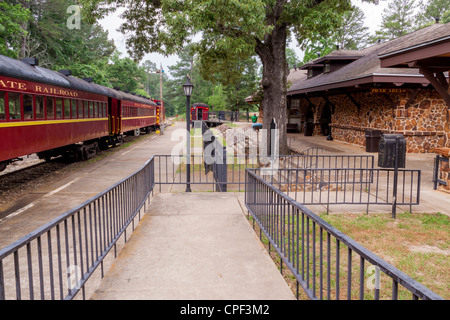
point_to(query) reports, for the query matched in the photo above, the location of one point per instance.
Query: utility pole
(160, 71)
(161, 95)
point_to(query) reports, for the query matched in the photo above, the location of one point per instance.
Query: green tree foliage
(352, 34)
(87, 45)
(433, 10)
(125, 74)
(446, 17)
(292, 59)
(209, 89)
(230, 31)
(349, 34)
(39, 28)
(11, 27)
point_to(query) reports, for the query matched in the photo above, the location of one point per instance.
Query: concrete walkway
(196, 246)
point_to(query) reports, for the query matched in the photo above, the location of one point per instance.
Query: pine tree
(434, 10)
(397, 20)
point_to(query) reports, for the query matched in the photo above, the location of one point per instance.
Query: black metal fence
(228, 174)
(56, 260)
(335, 186)
(324, 261)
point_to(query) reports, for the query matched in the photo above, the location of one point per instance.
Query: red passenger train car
(52, 113)
(199, 111)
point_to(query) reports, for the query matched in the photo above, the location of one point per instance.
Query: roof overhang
(371, 79)
(336, 58)
(432, 58)
(434, 54)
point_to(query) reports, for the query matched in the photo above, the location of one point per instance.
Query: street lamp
(188, 86)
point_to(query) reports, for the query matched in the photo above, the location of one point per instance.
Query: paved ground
(188, 246)
(52, 200)
(195, 246)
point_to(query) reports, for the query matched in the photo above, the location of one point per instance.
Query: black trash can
(389, 151)
(372, 140)
(309, 128)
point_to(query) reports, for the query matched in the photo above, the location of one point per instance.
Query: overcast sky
(111, 23)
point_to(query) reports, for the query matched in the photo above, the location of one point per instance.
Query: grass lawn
(416, 244)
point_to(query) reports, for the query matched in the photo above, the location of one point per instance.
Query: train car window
(95, 109)
(80, 109)
(14, 106)
(91, 109)
(59, 108)
(73, 109)
(67, 107)
(50, 108)
(40, 114)
(28, 112)
(2, 107)
(104, 110)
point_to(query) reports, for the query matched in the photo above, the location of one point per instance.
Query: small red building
(199, 111)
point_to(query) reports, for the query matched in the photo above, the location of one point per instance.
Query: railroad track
(16, 183)
(25, 179)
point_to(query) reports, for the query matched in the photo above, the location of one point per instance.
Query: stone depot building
(349, 93)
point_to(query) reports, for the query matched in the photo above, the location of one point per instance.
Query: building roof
(434, 33)
(434, 45)
(366, 69)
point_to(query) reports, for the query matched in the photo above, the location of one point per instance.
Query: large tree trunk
(274, 83)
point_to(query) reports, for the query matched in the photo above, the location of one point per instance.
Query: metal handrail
(80, 239)
(269, 206)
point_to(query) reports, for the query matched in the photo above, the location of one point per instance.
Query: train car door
(205, 114)
(199, 113)
(114, 116)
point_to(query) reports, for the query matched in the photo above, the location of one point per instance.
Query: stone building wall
(420, 115)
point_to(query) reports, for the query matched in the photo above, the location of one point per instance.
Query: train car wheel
(103, 144)
(137, 132)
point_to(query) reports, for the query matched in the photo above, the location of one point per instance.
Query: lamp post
(188, 86)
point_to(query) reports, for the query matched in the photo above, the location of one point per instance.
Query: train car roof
(21, 70)
(13, 68)
(198, 104)
(121, 95)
